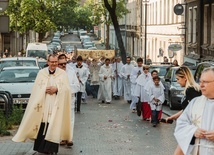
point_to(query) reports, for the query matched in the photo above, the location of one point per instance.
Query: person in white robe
(94, 69)
(105, 90)
(136, 71)
(125, 73)
(75, 87)
(148, 86)
(194, 130)
(140, 92)
(156, 99)
(47, 118)
(82, 75)
(73, 62)
(118, 79)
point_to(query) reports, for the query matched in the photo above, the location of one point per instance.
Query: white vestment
(141, 82)
(105, 89)
(53, 109)
(118, 80)
(158, 93)
(136, 71)
(82, 72)
(75, 87)
(198, 114)
(125, 71)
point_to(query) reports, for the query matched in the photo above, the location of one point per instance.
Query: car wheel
(171, 106)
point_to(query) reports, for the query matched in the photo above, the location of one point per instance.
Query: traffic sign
(174, 47)
(178, 9)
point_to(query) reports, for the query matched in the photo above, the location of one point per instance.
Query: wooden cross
(38, 107)
(36, 128)
(41, 84)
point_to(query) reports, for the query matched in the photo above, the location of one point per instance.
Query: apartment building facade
(163, 27)
(200, 32)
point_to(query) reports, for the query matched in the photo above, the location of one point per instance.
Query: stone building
(200, 32)
(163, 28)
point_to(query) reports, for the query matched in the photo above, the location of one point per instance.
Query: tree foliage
(83, 17)
(40, 15)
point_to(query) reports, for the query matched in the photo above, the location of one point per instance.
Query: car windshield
(38, 53)
(18, 75)
(13, 63)
(42, 64)
(161, 70)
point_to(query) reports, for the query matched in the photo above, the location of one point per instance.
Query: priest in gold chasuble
(47, 118)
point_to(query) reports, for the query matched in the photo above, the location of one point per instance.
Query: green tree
(83, 17)
(101, 15)
(39, 15)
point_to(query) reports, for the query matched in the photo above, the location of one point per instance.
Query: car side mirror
(167, 80)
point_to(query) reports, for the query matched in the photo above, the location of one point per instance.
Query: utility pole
(145, 46)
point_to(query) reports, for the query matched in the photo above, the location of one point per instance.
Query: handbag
(138, 107)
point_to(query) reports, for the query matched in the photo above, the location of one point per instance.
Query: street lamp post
(145, 44)
(125, 29)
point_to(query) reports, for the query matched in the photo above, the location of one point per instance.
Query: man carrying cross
(48, 110)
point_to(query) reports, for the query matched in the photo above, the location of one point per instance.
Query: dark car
(200, 67)
(173, 91)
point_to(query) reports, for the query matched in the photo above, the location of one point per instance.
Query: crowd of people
(49, 117)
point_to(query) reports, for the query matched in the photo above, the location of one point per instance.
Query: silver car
(19, 82)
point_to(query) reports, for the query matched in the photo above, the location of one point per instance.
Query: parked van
(39, 50)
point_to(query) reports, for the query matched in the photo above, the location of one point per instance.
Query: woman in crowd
(175, 63)
(192, 89)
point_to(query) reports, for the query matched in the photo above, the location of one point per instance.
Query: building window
(190, 25)
(194, 24)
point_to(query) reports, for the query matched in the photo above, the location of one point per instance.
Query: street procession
(107, 77)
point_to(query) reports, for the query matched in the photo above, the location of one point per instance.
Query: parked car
(92, 48)
(62, 34)
(161, 68)
(55, 39)
(82, 34)
(87, 45)
(85, 39)
(18, 61)
(70, 32)
(173, 91)
(42, 63)
(57, 44)
(69, 48)
(39, 50)
(200, 67)
(19, 82)
(57, 34)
